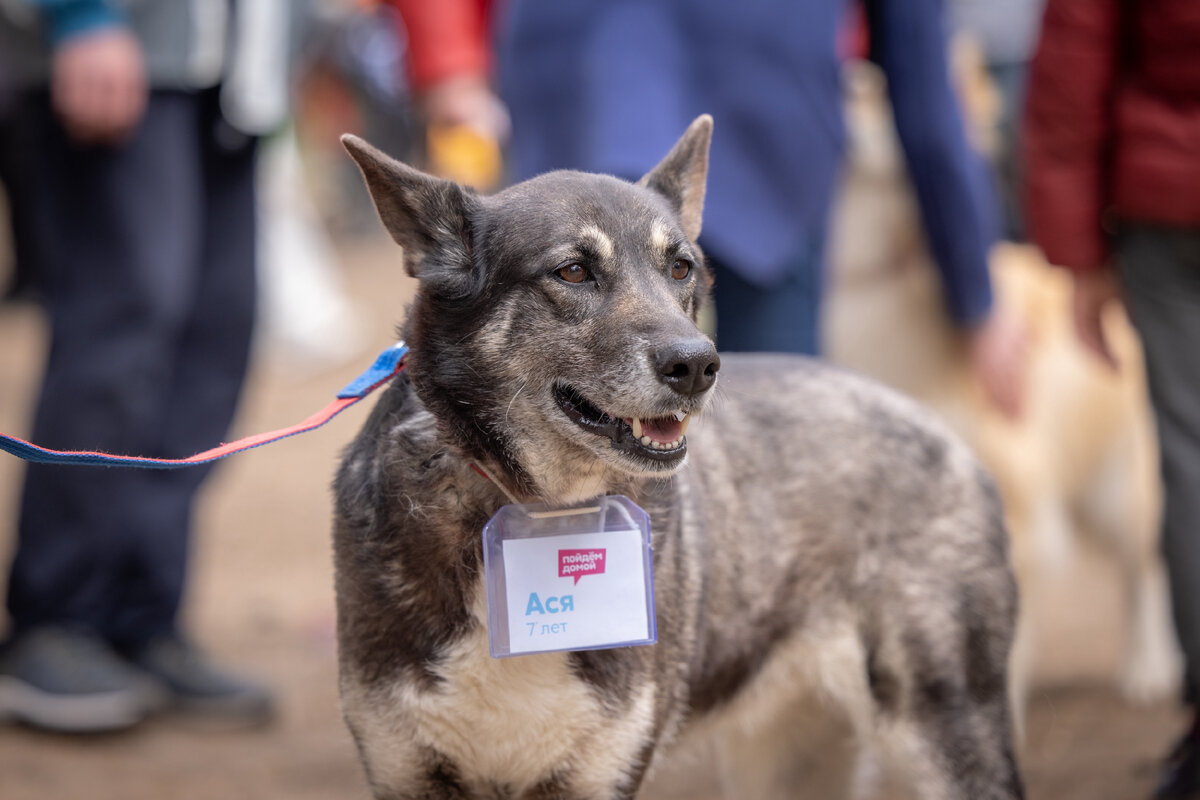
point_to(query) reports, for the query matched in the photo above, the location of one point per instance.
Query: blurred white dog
(1081, 459)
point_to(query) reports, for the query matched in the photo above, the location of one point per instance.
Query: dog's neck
(569, 490)
(485, 473)
(517, 477)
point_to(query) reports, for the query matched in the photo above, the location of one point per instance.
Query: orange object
(462, 154)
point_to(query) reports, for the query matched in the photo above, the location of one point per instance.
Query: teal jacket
(66, 18)
(244, 47)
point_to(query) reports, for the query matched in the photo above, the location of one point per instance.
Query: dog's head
(553, 333)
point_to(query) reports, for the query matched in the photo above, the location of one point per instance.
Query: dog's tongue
(662, 429)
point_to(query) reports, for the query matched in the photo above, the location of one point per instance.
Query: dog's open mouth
(659, 438)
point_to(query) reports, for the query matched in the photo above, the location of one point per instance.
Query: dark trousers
(146, 253)
(783, 317)
(1160, 272)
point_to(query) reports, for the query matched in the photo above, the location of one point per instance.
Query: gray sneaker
(200, 689)
(69, 681)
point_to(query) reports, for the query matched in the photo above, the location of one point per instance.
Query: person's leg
(111, 224)
(1160, 271)
(781, 317)
(109, 228)
(14, 176)
(210, 358)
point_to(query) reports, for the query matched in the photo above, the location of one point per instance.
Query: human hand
(467, 100)
(467, 126)
(1094, 290)
(998, 351)
(98, 85)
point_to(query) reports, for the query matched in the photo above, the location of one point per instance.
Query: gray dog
(830, 565)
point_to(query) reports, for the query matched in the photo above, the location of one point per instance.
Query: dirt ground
(261, 597)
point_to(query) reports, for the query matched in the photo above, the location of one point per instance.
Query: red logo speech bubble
(577, 563)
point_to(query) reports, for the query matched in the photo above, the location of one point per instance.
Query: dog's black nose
(689, 366)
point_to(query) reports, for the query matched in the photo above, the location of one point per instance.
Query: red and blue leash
(388, 365)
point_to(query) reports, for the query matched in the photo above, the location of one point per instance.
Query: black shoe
(1180, 779)
(200, 689)
(68, 681)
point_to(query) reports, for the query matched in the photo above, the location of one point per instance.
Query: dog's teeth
(646, 440)
(637, 429)
(680, 416)
(683, 428)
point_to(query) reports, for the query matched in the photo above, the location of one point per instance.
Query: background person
(138, 128)
(1112, 135)
(606, 86)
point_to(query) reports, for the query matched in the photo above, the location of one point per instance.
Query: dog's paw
(1153, 665)
(1150, 674)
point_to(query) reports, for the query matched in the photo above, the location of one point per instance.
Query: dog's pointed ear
(422, 213)
(680, 177)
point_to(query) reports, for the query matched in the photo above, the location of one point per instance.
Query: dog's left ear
(680, 177)
(426, 216)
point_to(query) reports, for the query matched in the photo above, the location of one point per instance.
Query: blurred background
(1071, 441)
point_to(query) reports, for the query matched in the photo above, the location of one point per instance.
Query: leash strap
(483, 473)
(389, 364)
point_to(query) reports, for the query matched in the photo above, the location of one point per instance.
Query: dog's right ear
(422, 213)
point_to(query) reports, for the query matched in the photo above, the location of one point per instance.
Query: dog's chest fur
(516, 722)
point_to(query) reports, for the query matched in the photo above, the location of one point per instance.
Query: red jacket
(446, 38)
(1112, 123)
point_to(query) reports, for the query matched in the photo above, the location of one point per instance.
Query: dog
(1080, 463)
(831, 567)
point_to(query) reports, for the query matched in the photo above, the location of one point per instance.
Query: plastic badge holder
(569, 579)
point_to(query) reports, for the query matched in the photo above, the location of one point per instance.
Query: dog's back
(859, 558)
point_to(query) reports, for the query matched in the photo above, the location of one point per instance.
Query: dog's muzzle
(659, 439)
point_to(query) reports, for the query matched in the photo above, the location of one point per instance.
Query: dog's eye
(573, 272)
(681, 269)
